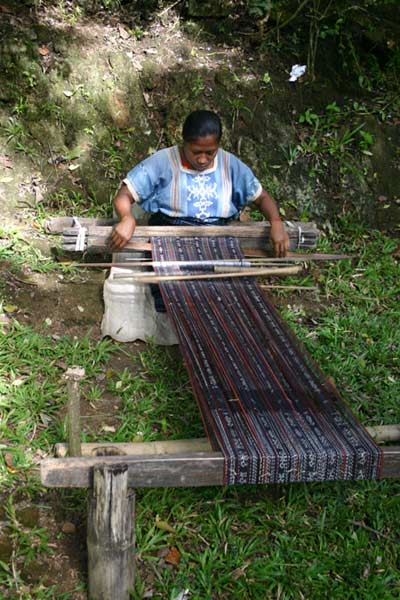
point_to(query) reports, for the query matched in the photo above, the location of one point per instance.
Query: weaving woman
(197, 183)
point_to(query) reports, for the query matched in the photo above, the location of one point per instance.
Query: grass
(332, 540)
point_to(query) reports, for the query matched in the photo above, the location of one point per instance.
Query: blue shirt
(162, 183)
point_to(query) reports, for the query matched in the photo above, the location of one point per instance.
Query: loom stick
(291, 257)
(73, 376)
(240, 268)
(312, 288)
(144, 278)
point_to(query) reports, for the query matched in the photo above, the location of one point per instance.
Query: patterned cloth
(161, 183)
(264, 402)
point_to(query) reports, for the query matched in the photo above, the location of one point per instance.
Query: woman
(197, 183)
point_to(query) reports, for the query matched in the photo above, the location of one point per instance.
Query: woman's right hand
(122, 232)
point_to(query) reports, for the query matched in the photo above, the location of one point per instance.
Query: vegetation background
(87, 89)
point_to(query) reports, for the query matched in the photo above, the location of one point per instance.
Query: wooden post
(110, 534)
(73, 377)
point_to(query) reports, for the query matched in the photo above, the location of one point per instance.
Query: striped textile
(264, 402)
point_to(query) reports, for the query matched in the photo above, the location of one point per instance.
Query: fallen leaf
(183, 595)
(396, 253)
(237, 573)
(80, 308)
(44, 51)
(245, 215)
(17, 382)
(123, 32)
(164, 525)
(73, 167)
(173, 557)
(108, 428)
(48, 322)
(5, 161)
(10, 308)
(68, 527)
(4, 320)
(9, 459)
(68, 93)
(45, 419)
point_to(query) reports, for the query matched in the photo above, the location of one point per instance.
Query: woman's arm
(123, 231)
(279, 237)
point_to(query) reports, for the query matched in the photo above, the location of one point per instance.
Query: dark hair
(201, 123)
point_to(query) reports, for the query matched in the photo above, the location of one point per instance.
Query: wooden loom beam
(192, 469)
(250, 235)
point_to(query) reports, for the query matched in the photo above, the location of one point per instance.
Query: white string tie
(301, 237)
(81, 237)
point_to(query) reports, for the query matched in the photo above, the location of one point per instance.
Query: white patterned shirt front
(161, 183)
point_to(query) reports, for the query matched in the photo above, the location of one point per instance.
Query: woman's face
(200, 153)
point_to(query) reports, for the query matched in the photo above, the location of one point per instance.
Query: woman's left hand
(279, 238)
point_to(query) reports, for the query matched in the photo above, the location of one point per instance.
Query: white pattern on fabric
(202, 194)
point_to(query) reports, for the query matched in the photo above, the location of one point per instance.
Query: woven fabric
(263, 400)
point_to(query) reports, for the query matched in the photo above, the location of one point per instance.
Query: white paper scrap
(297, 72)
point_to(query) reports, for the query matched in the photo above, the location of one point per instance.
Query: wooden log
(73, 377)
(384, 433)
(58, 224)
(239, 230)
(110, 534)
(172, 470)
(138, 448)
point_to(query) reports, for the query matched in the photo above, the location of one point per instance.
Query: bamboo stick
(143, 262)
(73, 377)
(312, 288)
(145, 278)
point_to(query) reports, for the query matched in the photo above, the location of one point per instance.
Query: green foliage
(259, 8)
(331, 134)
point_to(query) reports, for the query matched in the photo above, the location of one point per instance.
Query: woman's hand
(122, 232)
(279, 238)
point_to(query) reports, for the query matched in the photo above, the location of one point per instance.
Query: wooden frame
(112, 470)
